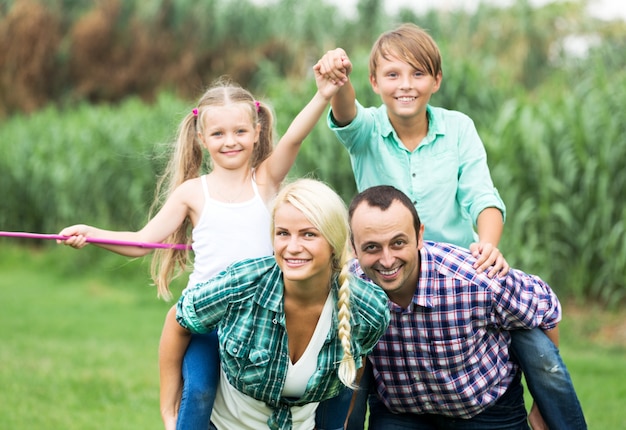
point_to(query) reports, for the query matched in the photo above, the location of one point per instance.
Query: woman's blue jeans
(547, 379)
(201, 372)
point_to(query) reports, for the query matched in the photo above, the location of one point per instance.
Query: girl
(291, 327)
(227, 209)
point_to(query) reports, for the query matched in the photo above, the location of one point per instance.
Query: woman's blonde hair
(328, 213)
(409, 43)
(186, 161)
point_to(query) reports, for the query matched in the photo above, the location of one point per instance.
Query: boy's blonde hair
(186, 161)
(328, 213)
(409, 43)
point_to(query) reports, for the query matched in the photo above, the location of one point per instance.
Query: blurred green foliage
(551, 116)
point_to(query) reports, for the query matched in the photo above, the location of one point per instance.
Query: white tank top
(298, 374)
(228, 232)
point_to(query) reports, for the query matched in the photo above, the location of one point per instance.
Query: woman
(293, 328)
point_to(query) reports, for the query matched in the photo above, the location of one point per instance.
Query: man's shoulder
(447, 258)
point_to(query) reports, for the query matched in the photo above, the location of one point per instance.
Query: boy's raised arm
(336, 66)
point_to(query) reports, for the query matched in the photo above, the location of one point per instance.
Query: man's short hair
(382, 196)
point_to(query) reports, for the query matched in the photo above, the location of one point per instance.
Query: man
(444, 362)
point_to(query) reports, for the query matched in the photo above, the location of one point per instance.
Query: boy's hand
(334, 65)
(488, 256)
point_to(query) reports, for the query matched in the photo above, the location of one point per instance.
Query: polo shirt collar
(385, 125)
(435, 125)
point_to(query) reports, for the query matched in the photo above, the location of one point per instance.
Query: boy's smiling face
(404, 89)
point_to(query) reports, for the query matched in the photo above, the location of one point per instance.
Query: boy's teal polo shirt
(446, 176)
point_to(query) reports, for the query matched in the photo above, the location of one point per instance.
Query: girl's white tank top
(228, 232)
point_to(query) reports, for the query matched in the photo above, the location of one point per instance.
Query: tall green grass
(558, 163)
(554, 136)
(96, 165)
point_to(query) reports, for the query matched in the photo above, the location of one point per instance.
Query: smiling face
(403, 88)
(387, 247)
(301, 251)
(229, 134)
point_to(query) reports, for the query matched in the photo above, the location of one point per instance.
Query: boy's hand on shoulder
(489, 257)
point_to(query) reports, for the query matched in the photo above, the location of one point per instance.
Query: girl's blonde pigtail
(185, 162)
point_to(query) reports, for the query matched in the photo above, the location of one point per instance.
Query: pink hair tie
(195, 112)
(257, 104)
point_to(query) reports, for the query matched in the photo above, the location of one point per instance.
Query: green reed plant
(90, 164)
(558, 163)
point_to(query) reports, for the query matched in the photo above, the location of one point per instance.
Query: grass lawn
(80, 332)
(79, 344)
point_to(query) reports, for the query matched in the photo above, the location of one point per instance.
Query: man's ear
(420, 237)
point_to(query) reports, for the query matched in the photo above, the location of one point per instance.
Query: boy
(436, 157)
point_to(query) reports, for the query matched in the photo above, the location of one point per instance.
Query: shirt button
(235, 350)
(413, 174)
(274, 321)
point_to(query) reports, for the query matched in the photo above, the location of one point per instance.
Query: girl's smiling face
(229, 134)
